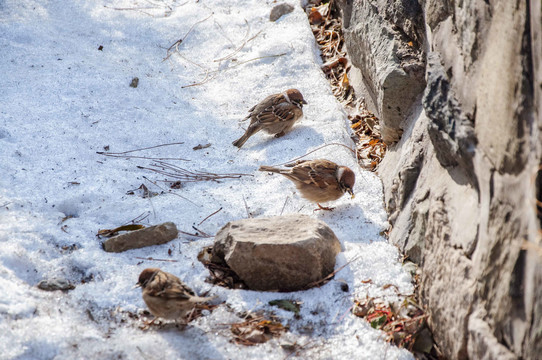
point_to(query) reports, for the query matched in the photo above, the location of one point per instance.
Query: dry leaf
(108, 233)
(315, 18)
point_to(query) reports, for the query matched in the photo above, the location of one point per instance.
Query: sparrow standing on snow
(167, 296)
(318, 180)
(276, 114)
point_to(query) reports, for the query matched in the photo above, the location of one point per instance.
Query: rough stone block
(281, 253)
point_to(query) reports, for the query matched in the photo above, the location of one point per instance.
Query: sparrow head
(146, 276)
(347, 179)
(295, 97)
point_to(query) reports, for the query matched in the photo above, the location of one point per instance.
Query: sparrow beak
(138, 285)
(351, 192)
(303, 102)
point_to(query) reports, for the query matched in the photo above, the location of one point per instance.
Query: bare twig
(145, 148)
(168, 9)
(153, 259)
(216, 212)
(179, 42)
(344, 314)
(223, 32)
(123, 154)
(249, 60)
(185, 175)
(210, 75)
(169, 191)
(283, 206)
(142, 157)
(193, 62)
(246, 207)
(323, 281)
(139, 218)
(244, 42)
(201, 232)
(240, 47)
(207, 78)
(194, 235)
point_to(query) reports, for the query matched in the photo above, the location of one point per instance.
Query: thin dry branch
(210, 75)
(153, 259)
(195, 235)
(167, 8)
(240, 47)
(247, 61)
(207, 78)
(179, 173)
(124, 153)
(216, 212)
(169, 191)
(284, 206)
(201, 232)
(177, 43)
(330, 276)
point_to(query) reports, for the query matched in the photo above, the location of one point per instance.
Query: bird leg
(191, 315)
(148, 324)
(324, 208)
(280, 134)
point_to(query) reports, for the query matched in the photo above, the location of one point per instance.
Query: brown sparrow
(276, 114)
(166, 295)
(318, 180)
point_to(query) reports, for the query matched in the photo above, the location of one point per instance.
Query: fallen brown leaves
(402, 326)
(328, 33)
(370, 147)
(115, 231)
(327, 29)
(256, 330)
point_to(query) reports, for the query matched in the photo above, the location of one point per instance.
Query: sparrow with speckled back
(276, 115)
(167, 296)
(318, 180)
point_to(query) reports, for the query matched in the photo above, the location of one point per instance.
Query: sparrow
(167, 296)
(276, 115)
(318, 180)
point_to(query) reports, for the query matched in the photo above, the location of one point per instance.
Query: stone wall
(457, 86)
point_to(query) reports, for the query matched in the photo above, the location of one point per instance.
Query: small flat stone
(55, 284)
(153, 235)
(279, 10)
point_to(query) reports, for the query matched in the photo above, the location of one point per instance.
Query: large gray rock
(460, 186)
(281, 253)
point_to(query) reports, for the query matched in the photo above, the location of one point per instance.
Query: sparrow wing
(177, 290)
(274, 114)
(174, 293)
(320, 173)
(296, 163)
(168, 286)
(273, 109)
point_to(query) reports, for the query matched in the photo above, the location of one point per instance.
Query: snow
(62, 100)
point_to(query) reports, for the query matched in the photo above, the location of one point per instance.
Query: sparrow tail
(243, 139)
(270, 169)
(197, 299)
(239, 142)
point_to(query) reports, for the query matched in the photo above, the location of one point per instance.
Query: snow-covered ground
(62, 100)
